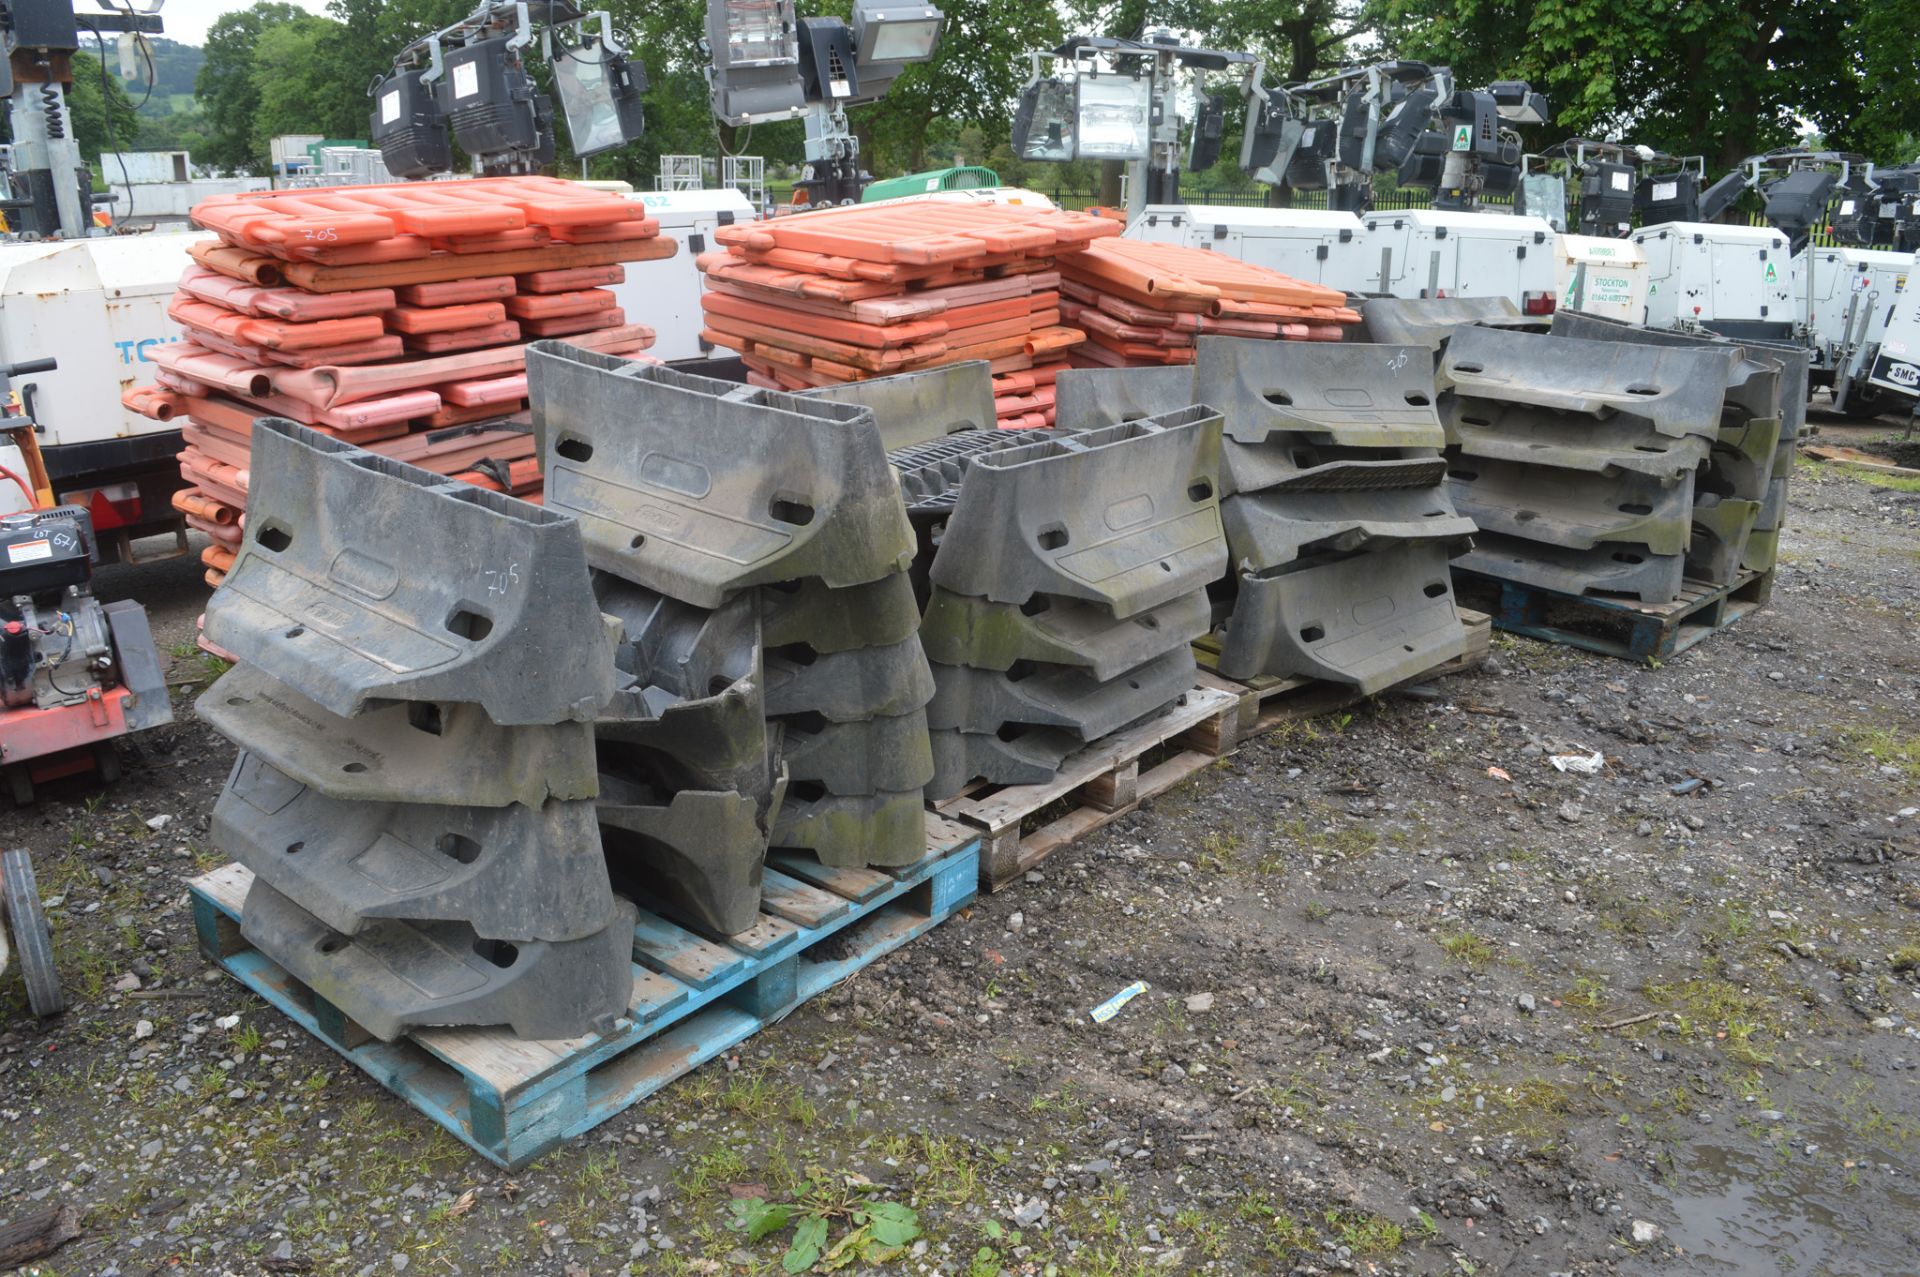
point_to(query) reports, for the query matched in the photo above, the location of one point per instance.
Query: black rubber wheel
(1865, 405)
(20, 785)
(32, 945)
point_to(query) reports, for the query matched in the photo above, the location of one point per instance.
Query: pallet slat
(1624, 628)
(511, 1100)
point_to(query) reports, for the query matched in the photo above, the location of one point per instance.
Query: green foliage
(226, 86)
(875, 1231)
(1726, 78)
(89, 110)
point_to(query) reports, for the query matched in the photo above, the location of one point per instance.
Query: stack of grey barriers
(420, 666)
(1337, 518)
(1608, 459)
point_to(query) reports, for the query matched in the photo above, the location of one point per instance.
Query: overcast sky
(187, 20)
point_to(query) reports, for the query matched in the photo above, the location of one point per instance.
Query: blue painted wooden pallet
(1625, 628)
(694, 996)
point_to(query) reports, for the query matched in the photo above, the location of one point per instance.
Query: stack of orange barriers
(393, 317)
(845, 294)
(1144, 304)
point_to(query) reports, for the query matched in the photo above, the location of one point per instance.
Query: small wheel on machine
(33, 946)
(20, 785)
(106, 761)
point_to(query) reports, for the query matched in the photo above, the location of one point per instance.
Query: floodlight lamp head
(1518, 103)
(895, 30)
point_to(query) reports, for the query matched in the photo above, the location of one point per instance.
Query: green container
(970, 177)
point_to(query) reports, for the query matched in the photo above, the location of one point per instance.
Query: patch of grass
(1467, 947)
(1589, 993)
(1878, 478)
(1886, 748)
(1366, 1233)
(1905, 958)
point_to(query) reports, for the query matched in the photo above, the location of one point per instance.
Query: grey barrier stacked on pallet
(1770, 380)
(1066, 582)
(1607, 466)
(415, 786)
(773, 525)
(1429, 322)
(1338, 525)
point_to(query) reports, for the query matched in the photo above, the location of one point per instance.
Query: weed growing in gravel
(1366, 1233)
(1887, 748)
(1588, 993)
(1465, 946)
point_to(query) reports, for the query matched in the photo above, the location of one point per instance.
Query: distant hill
(175, 66)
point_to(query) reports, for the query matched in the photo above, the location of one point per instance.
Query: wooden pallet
(1625, 628)
(1268, 701)
(694, 996)
(1103, 781)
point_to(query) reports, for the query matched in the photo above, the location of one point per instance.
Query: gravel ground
(1419, 1003)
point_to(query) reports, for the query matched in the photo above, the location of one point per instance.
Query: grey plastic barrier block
(861, 757)
(931, 473)
(1570, 441)
(363, 580)
(1266, 530)
(971, 700)
(1604, 569)
(698, 488)
(1370, 620)
(1031, 758)
(139, 662)
(702, 851)
(1093, 398)
(1720, 530)
(1348, 395)
(852, 685)
(1430, 321)
(829, 620)
(913, 407)
(445, 753)
(394, 976)
(1126, 516)
(1675, 391)
(1578, 509)
(994, 636)
(851, 830)
(1740, 464)
(1255, 469)
(1757, 386)
(512, 873)
(692, 705)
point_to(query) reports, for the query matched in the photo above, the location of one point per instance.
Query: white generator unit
(1843, 296)
(665, 295)
(98, 306)
(1601, 276)
(1309, 244)
(1895, 366)
(1420, 252)
(1733, 280)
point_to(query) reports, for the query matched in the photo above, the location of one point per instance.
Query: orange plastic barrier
(548, 305)
(287, 223)
(500, 333)
(413, 320)
(566, 281)
(572, 325)
(457, 292)
(319, 278)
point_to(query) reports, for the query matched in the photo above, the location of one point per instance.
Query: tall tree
(226, 85)
(101, 122)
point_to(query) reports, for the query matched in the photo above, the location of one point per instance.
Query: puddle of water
(1735, 1212)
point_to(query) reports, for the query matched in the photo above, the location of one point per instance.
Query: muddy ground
(1419, 1003)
